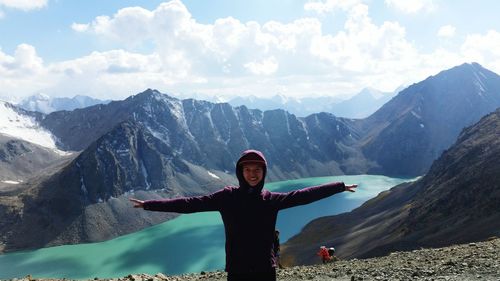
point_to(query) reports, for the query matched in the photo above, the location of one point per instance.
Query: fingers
(351, 187)
(137, 203)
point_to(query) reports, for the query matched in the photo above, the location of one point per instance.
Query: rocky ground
(474, 261)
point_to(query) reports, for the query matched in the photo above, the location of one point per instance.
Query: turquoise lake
(189, 243)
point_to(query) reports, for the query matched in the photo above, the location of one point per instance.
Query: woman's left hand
(351, 187)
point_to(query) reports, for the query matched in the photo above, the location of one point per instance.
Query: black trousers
(260, 276)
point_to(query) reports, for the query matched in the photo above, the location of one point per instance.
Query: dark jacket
(249, 215)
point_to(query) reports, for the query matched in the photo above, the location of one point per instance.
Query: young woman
(249, 215)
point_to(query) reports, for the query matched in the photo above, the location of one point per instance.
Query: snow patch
(83, 188)
(145, 175)
(213, 175)
(416, 115)
(61, 152)
(11, 182)
(176, 109)
(158, 135)
(480, 84)
(24, 127)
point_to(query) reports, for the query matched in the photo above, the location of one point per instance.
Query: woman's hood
(251, 156)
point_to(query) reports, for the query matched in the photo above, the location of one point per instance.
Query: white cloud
(446, 31)
(484, 49)
(229, 57)
(25, 61)
(227, 46)
(265, 67)
(412, 6)
(80, 27)
(326, 6)
(22, 73)
(24, 5)
(231, 50)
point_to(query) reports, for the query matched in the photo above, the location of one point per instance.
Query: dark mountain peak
(149, 91)
(465, 73)
(473, 66)
(150, 95)
(455, 78)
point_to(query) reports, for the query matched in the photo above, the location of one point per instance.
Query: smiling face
(253, 173)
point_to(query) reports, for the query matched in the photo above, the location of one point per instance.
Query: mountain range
(45, 104)
(358, 106)
(153, 145)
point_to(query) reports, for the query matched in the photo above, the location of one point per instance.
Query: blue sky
(115, 48)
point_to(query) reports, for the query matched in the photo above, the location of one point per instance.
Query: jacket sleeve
(307, 195)
(185, 205)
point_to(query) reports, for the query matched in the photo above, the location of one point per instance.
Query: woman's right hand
(137, 203)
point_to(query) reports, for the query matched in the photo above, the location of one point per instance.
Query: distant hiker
(331, 252)
(276, 248)
(249, 215)
(324, 254)
(327, 254)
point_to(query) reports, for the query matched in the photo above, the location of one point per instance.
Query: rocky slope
(455, 202)
(473, 261)
(21, 160)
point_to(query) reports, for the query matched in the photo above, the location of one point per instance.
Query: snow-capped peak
(23, 126)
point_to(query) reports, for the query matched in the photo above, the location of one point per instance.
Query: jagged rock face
(426, 118)
(213, 135)
(153, 147)
(456, 202)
